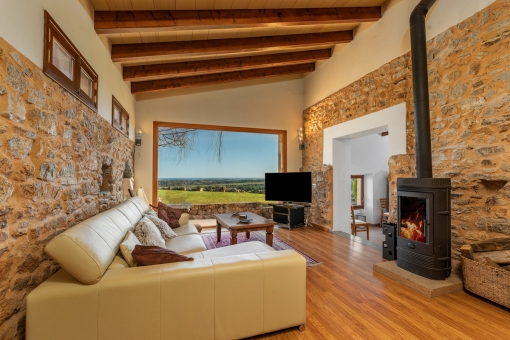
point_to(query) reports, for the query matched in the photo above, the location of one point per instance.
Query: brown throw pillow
(170, 215)
(151, 255)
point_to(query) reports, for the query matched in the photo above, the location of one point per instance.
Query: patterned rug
(210, 243)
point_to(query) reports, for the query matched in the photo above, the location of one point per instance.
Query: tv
(289, 187)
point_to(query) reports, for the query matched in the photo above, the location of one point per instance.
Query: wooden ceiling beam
(106, 22)
(126, 52)
(193, 68)
(218, 78)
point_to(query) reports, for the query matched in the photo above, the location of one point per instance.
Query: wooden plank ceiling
(170, 44)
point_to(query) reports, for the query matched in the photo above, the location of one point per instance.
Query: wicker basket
(489, 282)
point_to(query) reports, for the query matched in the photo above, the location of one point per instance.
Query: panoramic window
(357, 191)
(203, 164)
(64, 64)
(120, 117)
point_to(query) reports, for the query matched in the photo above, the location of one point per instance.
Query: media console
(291, 214)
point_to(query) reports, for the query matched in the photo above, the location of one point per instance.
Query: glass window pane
(86, 83)
(62, 60)
(116, 116)
(356, 194)
(124, 123)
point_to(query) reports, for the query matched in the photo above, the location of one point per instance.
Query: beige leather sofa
(226, 293)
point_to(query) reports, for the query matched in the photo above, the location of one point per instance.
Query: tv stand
(291, 214)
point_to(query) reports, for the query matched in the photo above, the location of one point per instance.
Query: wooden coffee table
(231, 223)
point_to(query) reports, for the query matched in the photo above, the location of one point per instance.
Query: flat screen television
(289, 187)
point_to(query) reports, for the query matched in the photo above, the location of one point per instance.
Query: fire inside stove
(412, 218)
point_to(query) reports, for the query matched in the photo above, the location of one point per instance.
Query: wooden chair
(384, 215)
(358, 225)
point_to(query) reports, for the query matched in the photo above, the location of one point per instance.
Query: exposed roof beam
(151, 21)
(218, 78)
(193, 68)
(126, 52)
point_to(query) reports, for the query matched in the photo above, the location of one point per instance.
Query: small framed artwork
(120, 117)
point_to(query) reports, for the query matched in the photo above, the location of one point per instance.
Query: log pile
(494, 253)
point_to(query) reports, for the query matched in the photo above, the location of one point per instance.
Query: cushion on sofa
(163, 227)
(148, 234)
(150, 255)
(127, 246)
(169, 215)
(186, 229)
(186, 244)
(252, 247)
(87, 249)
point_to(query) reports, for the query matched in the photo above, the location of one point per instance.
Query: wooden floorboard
(345, 300)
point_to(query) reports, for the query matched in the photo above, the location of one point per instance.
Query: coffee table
(231, 223)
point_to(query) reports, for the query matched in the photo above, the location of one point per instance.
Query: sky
(244, 155)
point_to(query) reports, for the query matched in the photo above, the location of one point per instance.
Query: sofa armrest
(232, 297)
(184, 219)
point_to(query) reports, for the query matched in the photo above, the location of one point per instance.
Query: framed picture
(120, 117)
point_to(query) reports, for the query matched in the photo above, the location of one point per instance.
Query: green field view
(207, 197)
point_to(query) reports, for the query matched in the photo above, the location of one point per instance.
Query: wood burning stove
(424, 226)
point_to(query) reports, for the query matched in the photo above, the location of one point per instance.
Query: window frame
(362, 206)
(155, 149)
(53, 31)
(124, 116)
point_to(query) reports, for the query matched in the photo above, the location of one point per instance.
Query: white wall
(22, 26)
(376, 44)
(269, 104)
(369, 154)
(337, 151)
(342, 185)
(369, 157)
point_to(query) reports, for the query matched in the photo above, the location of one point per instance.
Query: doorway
(369, 181)
(338, 152)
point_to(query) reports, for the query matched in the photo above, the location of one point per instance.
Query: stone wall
(206, 211)
(52, 150)
(469, 69)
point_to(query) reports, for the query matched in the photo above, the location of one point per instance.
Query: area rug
(210, 243)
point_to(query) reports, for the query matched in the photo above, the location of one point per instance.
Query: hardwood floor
(376, 235)
(345, 300)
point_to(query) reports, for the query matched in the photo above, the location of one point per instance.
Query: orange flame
(413, 228)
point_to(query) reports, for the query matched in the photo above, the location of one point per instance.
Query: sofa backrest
(87, 249)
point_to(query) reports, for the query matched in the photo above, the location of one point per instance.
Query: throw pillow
(148, 234)
(163, 227)
(150, 255)
(127, 246)
(170, 215)
(152, 213)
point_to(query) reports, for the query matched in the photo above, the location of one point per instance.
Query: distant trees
(183, 141)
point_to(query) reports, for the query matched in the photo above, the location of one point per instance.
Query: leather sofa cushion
(186, 229)
(87, 249)
(253, 247)
(186, 244)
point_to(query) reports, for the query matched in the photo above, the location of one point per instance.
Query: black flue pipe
(421, 89)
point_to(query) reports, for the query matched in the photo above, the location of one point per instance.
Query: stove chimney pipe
(421, 89)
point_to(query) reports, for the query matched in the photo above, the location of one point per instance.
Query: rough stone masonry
(469, 70)
(53, 151)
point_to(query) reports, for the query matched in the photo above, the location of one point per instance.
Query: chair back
(352, 215)
(384, 203)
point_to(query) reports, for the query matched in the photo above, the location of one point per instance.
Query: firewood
(502, 257)
(491, 263)
(467, 251)
(507, 267)
(495, 244)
